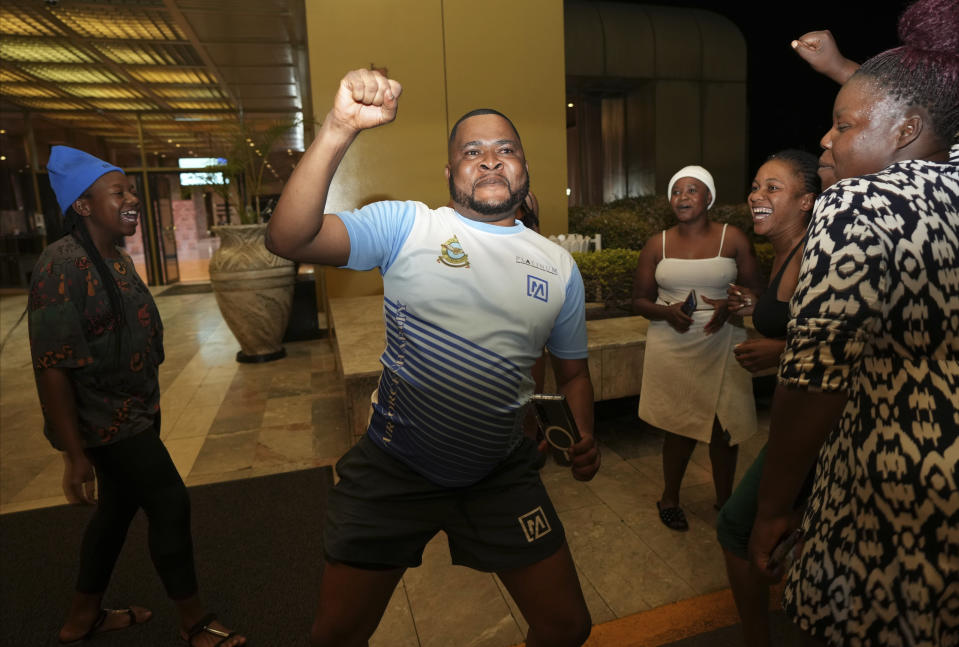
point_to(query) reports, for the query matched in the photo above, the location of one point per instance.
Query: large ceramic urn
(254, 289)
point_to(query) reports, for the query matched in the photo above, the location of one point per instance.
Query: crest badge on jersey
(452, 254)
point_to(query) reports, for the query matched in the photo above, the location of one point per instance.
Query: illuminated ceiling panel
(99, 66)
(74, 117)
(50, 104)
(207, 92)
(114, 91)
(71, 74)
(23, 23)
(26, 90)
(10, 76)
(149, 54)
(136, 22)
(171, 76)
(200, 105)
(124, 105)
(41, 50)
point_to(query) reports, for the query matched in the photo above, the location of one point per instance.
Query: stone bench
(616, 348)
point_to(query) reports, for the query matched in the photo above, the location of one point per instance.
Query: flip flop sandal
(673, 518)
(98, 623)
(203, 627)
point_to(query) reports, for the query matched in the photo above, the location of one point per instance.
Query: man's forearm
(299, 214)
(579, 395)
(799, 423)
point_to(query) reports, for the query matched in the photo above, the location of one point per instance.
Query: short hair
(476, 113)
(924, 71)
(805, 165)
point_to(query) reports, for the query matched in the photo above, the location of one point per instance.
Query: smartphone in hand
(785, 552)
(689, 304)
(557, 422)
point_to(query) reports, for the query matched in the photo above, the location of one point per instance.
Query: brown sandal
(98, 623)
(203, 626)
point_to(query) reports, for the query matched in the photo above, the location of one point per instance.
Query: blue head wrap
(72, 172)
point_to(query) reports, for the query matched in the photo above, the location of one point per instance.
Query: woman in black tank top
(781, 200)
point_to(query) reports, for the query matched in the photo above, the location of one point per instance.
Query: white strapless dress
(691, 378)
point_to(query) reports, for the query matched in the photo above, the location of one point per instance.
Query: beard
(491, 208)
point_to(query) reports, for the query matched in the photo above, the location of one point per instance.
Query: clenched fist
(365, 99)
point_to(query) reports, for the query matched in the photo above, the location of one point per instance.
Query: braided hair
(74, 225)
(924, 71)
(805, 165)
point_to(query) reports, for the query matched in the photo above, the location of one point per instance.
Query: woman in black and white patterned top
(870, 373)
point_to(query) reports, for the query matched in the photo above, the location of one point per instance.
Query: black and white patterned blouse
(876, 314)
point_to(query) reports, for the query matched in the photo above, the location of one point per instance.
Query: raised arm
(299, 229)
(819, 49)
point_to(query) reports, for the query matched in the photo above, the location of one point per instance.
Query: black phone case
(689, 304)
(553, 411)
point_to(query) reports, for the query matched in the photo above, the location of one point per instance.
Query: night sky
(789, 104)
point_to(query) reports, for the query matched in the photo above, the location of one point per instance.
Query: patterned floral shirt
(72, 327)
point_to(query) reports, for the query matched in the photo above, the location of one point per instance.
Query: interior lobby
(142, 83)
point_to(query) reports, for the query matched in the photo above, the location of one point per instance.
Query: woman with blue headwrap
(97, 343)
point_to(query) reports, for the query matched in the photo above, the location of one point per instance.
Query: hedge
(608, 275)
(625, 225)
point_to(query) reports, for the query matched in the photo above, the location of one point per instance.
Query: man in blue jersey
(471, 297)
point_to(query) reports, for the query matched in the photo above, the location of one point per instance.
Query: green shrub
(629, 222)
(764, 255)
(625, 225)
(608, 275)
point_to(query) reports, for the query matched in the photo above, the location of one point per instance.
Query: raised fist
(365, 99)
(819, 49)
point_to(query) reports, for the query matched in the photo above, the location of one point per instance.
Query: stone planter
(254, 290)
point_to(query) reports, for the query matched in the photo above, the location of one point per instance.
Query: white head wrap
(699, 173)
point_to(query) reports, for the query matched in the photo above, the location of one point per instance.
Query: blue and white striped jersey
(469, 307)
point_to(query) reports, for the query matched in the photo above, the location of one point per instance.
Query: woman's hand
(675, 317)
(765, 536)
(741, 300)
(79, 480)
(720, 314)
(819, 49)
(756, 355)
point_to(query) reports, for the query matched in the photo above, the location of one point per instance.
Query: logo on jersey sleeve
(452, 254)
(537, 288)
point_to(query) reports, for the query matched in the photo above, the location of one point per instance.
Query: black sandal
(673, 518)
(203, 627)
(98, 623)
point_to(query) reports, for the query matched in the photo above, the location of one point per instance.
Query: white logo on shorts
(535, 524)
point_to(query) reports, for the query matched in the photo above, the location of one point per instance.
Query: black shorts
(381, 514)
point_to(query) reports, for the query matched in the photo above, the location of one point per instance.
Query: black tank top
(771, 315)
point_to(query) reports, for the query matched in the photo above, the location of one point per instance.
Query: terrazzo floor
(223, 420)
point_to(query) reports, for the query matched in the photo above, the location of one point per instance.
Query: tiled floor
(223, 420)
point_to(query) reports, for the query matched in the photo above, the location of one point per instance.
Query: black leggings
(131, 474)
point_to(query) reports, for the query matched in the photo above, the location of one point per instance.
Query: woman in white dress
(693, 388)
